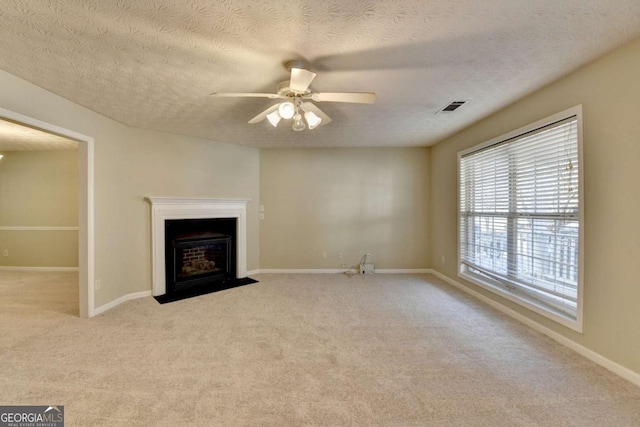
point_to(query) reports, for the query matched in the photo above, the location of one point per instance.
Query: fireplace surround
(167, 210)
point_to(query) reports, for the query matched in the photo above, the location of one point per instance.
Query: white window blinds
(519, 216)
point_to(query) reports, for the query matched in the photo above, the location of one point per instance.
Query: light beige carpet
(296, 350)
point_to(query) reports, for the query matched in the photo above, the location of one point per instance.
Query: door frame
(86, 251)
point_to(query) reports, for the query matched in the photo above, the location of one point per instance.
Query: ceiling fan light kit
(292, 110)
(294, 92)
(286, 110)
(274, 118)
(298, 123)
(312, 119)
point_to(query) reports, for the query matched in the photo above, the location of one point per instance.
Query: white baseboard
(116, 302)
(403, 270)
(616, 368)
(50, 269)
(337, 270)
(301, 270)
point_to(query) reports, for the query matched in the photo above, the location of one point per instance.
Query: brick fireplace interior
(199, 253)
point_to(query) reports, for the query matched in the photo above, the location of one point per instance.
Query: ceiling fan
(297, 96)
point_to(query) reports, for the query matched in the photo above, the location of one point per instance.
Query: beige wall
(131, 164)
(609, 90)
(29, 248)
(39, 189)
(352, 201)
(162, 165)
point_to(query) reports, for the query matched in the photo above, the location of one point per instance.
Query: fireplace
(200, 260)
(199, 252)
(185, 217)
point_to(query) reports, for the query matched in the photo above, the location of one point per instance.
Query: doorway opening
(85, 227)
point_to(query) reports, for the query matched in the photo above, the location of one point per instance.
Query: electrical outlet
(261, 208)
(5, 252)
(343, 265)
(340, 255)
(324, 255)
(261, 216)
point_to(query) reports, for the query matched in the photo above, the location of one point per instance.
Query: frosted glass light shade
(312, 119)
(286, 110)
(274, 118)
(298, 123)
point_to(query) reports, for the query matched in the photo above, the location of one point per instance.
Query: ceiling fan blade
(355, 97)
(245, 95)
(309, 106)
(260, 117)
(300, 80)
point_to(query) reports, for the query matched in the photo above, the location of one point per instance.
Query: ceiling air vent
(451, 107)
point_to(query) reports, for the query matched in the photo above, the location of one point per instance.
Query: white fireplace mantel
(165, 208)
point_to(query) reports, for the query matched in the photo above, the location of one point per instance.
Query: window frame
(516, 296)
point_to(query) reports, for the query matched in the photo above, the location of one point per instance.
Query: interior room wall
(609, 90)
(157, 164)
(39, 189)
(341, 200)
(131, 164)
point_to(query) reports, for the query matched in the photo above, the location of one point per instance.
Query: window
(520, 216)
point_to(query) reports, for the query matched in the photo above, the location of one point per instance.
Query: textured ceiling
(16, 137)
(153, 63)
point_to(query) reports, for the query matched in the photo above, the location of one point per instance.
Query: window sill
(528, 303)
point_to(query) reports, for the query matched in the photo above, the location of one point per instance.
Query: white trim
(37, 228)
(301, 271)
(616, 368)
(52, 269)
(581, 281)
(116, 302)
(86, 262)
(336, 270)
(523, 301)
(569, 112)
(196, 202)
(86, 236)
(166, 208)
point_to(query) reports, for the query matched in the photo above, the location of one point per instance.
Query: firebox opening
(199, 252)
(202, 257)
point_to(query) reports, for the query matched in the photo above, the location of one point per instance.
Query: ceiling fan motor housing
(283, 89)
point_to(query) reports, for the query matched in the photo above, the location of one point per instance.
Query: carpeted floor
(293, 350)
